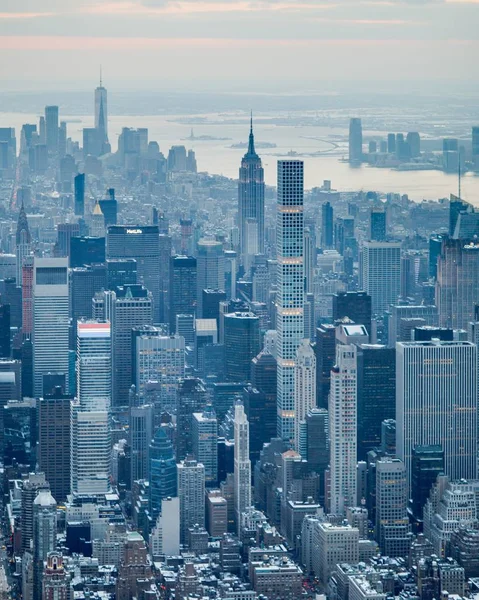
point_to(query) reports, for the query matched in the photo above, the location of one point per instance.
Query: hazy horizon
(214, 44)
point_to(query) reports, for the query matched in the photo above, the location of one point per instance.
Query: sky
(231, 44)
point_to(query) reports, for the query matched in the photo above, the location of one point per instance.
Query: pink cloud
(25, 15)
(40, 43)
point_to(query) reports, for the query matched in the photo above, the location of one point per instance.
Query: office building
(376, 394)
(86, 251)
(191, 492)
(85, 282)
(333, 544)
(242, 344)
(158, 358)
(32, 486)
(355, 306)
(327, 226)
(192, 397)
(126, 308)
(457, 283)
(50, 319)
(325, 350)
(242, 465)
(304, 390)
(342, 429)
(205, 442)
(436, 403)
(392, 523)
(23, 241)
(380, 273)
(290, 294)
(355, 141)
(216, 514)
(210, 270)
(426, 464)
(260, 409)
(377, 226)
(79, 194)
(5, 346)
(54, 450)
(120, 272)
(135, 578)
(317, 445)
(90, 451)
(51, 128)
(140, 430)
(143, 244)
(183, 288)
(162, 476)
(251, 203)
(93, 367)
(44, 536)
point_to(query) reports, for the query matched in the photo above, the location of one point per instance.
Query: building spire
(101, 77)
(251, 150)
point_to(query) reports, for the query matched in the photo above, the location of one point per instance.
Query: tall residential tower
(290, 295)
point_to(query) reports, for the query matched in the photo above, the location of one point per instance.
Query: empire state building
(251, 204)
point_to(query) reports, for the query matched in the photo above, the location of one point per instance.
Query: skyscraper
(183, 288)
(426, 464)
(475, 147)
(79, 188)
(90, 417)
(290, 294)
(210, 269)
(191, 492)
(304, 390)
(51, 128)
(101, 112)
(205, 442)
(50, 319)
(242, 464)
(380, 273)
(44, 536)
(436, 403)
(353, 305)
(242, 344)
(251, 202)
(163, 476)
(143, 244)
(327, 228)
(94, 365)
(126, 308)
(457, 283)
(342, 429)
(376, 393)
(54, 442)
(158, 358)
(377, 224)
(325, 350)
(392, 523)
(355, 140)
(23, 241)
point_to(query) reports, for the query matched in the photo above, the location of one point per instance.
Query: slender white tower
(304, 389)
(290, 295)
(242, 464)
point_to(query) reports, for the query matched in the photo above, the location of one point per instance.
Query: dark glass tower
(251, 200)
(354, 305)
(182, 292)
(242, 344)
(376, 394)
(162, 471)
(427, 464)
(80, 194)
(325, 351)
